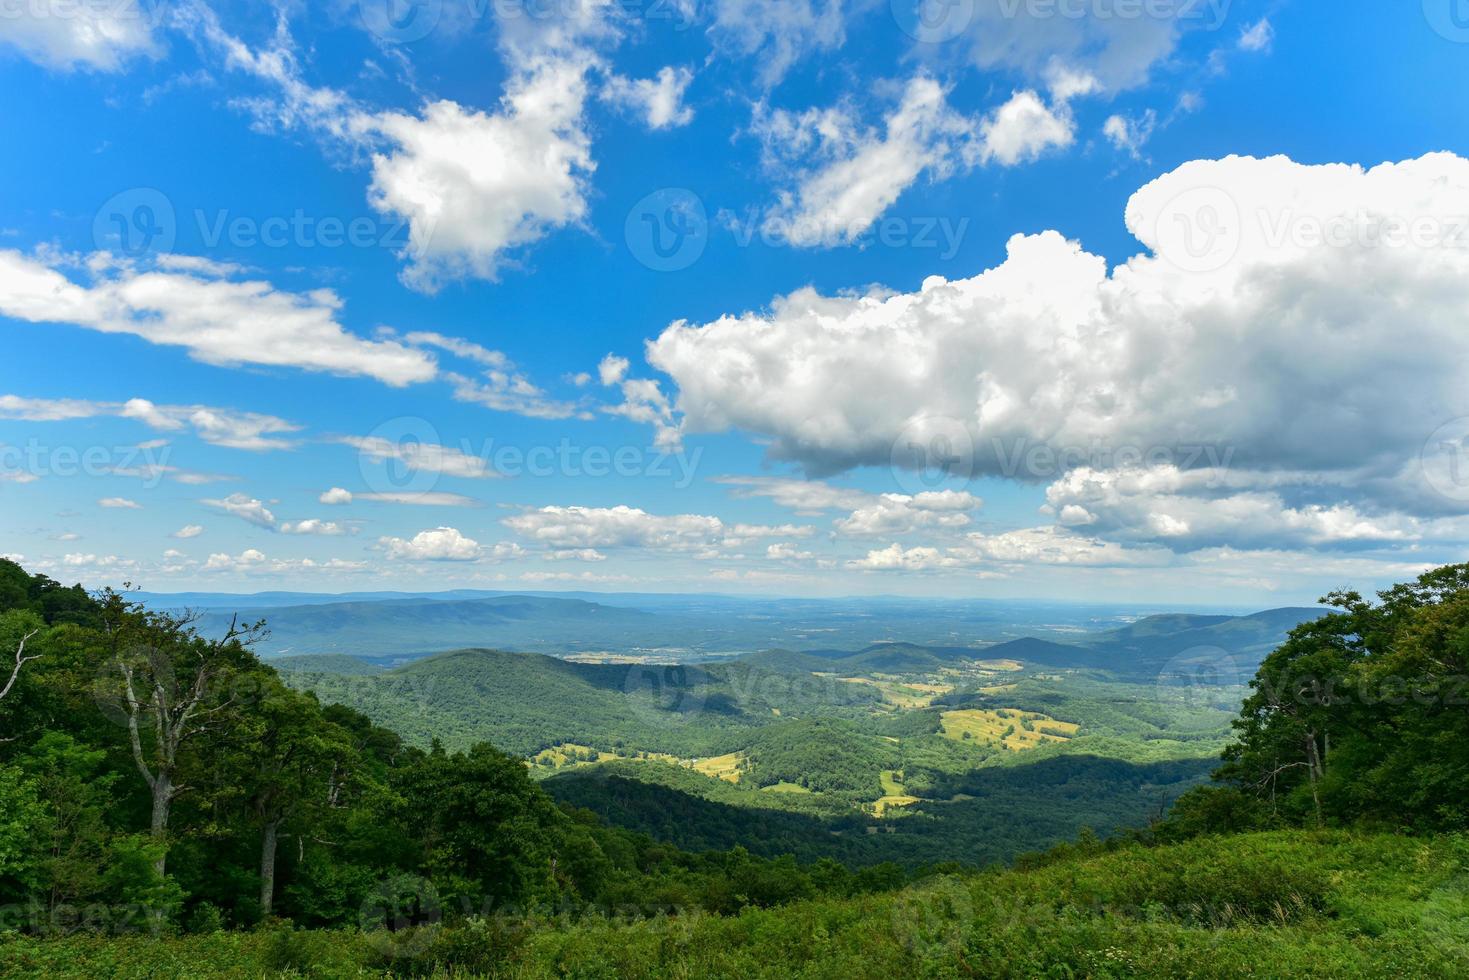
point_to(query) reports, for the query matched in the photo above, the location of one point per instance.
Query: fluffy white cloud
(312, 525)
(98, 36)
(573, 528)
(1027, 546)
(642, 401)
(1201, 508)
(254, 562)
(218, 320)
(612, 369)
(225, 562)
(475, 185)
(336, 496)
(659, 101)
(188, 531)
(439, 544)
(246, 508)
(1213, 345)
(1023, 129)
(785, 551)
(119, 503)
(254, 511)
(897, 514)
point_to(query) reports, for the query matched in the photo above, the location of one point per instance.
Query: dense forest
(168, 806)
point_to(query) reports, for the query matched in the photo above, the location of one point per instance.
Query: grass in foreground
(1329, 904)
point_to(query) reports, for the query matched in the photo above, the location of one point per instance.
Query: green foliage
(822, 756)
(1359, 717)
(1282, 904)
(21, 813)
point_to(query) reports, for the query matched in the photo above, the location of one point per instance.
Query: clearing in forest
(725, 767)
(893, 792)
(1012, 728)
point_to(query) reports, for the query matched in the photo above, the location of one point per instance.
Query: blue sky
(1061, 298)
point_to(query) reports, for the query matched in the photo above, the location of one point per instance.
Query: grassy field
(1012, 728)
(726, 767)
(893, 793)
(898, 693)
(1325, 905)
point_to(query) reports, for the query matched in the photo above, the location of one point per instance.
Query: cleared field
(893, 792)
(784, 788)
(570, 754)
(1009, 727)
(902, 694)
(726, 767)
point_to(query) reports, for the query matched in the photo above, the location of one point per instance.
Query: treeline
(1360, 718)
(154, 778)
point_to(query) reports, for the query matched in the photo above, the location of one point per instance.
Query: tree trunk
(1313, 759)
(269, 839)
(158, 826)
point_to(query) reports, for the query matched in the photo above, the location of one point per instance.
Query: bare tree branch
(20, 661)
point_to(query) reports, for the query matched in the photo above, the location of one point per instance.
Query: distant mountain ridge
(413, 625)
(1140, 649)
(1148, 646)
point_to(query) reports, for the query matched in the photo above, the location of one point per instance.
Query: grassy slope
(1294, 904)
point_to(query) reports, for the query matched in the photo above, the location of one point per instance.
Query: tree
(75, 791)
(173, 688)
(297, 760)
(1361, 715)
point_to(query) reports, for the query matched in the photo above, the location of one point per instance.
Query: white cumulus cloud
(439, 544)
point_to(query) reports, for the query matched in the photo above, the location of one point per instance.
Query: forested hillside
(926, 753)
(156, 779)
